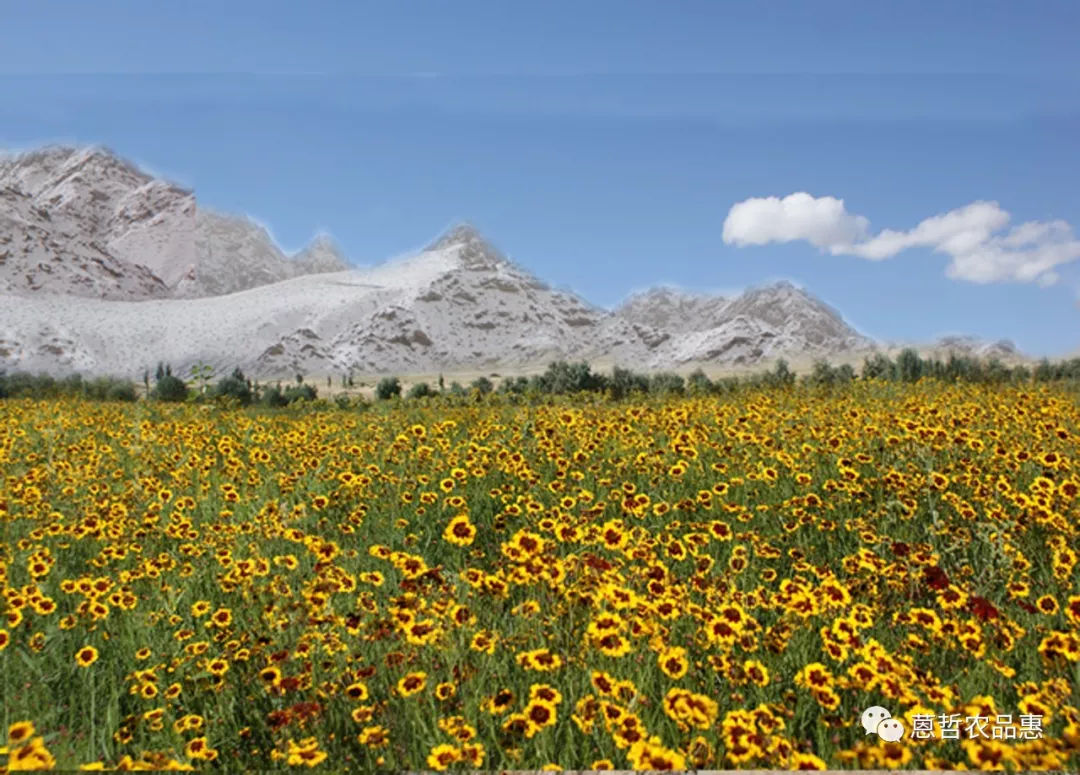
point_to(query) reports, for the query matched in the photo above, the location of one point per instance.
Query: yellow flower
(807, 761)
(460, 531)
(411, 684)
(86, 656)
(538, 715)
(673, 662)
(443, 756)
(19, 732)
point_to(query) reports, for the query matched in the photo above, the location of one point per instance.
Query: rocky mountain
(673, 310)
(763, 322)
(83, 222)
(458, 303)
(960, 345)
(57, 214)
(85, 235)
(322, 255)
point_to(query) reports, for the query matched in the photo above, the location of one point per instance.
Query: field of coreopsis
(692, 582)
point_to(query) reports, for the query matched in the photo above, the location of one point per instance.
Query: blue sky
(610, 146)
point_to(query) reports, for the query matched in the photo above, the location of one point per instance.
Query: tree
(845, 374)
(879, 366)
(821, 375)
(200, 374)
(781, 375)
(623, 382)
(909, 366)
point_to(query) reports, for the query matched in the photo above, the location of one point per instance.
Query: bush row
(560, 378)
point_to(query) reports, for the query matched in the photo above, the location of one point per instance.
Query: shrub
(295, 393)
(420, 390)
(699, 383)
(879, 366)
(623, 382)
(482, 385)
(169, 387)
(73, 385)
(562, 377)
(845, 374)
(667, 383)
(514, 386)
(109, 389)
(235, 387)
(389, 387)
(273, 397)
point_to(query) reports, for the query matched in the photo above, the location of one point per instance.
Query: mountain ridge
(124, 269)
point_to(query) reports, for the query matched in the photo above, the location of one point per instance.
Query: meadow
(654, 583)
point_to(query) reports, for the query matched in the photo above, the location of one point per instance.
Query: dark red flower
(935, 578)
(982, 608)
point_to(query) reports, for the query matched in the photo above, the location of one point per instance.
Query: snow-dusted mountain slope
(458, 303)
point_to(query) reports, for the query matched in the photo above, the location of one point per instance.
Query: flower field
(675, 583)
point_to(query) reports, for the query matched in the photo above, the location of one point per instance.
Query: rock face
(60, 214)
(82, 222)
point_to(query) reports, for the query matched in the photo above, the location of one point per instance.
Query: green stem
(93, 728)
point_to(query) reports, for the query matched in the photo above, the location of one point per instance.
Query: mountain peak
(472, 248)
(462, 233)
(322, 254)
(778, 288)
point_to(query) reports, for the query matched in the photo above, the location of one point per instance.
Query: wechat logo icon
(878, 721)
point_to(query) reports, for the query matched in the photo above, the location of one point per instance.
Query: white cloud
(971, 236)
(822, 221)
